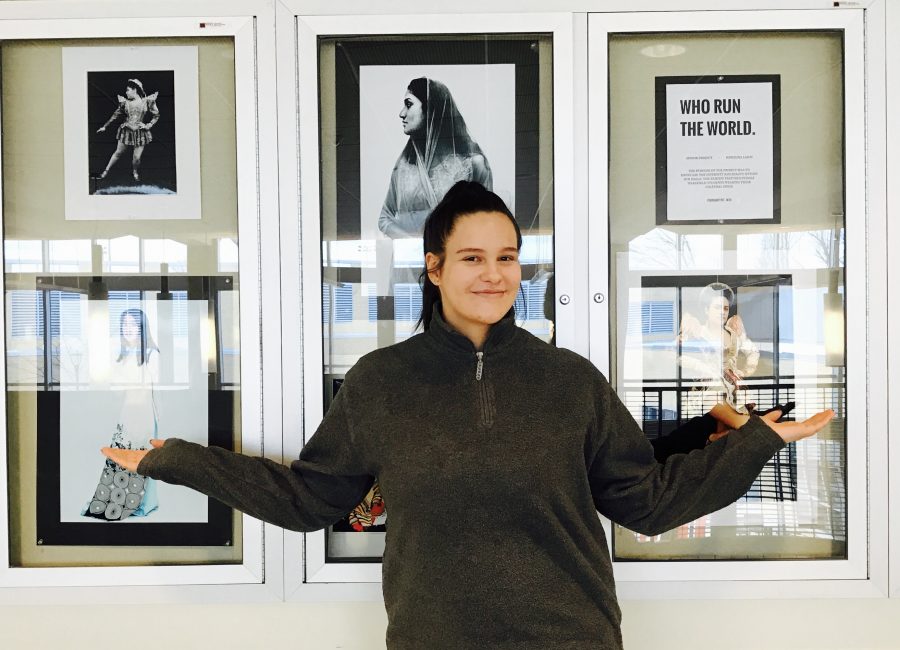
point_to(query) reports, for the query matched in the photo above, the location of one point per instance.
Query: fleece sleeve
(318, 489)
(631, 488)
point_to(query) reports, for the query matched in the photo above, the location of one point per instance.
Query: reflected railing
(662, 406)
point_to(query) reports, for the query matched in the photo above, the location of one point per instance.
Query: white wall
(695, 624)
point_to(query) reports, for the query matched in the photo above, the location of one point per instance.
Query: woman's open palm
(129, 458)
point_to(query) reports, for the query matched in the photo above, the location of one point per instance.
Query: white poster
(483, 144)
(721, 151)
(132, 373)
(132, 132)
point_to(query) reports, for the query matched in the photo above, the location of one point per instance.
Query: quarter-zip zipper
(485, 394)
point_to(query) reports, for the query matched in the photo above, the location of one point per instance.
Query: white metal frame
(892, 105)
(259, 315)
(299, 114)
(864, 573)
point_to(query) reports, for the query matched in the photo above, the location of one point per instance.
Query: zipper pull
(480, 367)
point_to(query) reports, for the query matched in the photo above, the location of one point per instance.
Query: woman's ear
(432, 261)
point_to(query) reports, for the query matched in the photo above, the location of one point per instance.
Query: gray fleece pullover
(493, 471)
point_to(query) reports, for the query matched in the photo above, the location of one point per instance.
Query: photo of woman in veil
(438, 153)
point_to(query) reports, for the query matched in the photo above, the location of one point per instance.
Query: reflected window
(228, 255)
(812, 249)
(662, 249)
(70, 256)
(24, 256)
(164, 251)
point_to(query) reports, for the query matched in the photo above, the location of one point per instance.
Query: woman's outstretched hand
(129, 458)
(794, 431)
(728, 419)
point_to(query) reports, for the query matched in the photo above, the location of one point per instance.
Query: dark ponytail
(464, 198)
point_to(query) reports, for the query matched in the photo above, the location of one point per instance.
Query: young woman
(720, 352)
(439, 153)
(133, 132)
(136, 374)
(494, 452)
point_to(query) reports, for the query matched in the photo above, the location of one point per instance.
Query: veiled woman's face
(412, 114)
(130, 92)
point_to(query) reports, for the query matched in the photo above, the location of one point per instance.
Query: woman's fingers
(789, 431)
(793, 431)
(130, 458)
(127, 458)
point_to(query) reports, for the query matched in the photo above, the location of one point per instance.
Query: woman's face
(717, 312)
(131, 330)
(412, 114)
(130, 92)
(480, 277)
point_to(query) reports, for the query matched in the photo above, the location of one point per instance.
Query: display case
(131, 211)
(406, 106)
(252, 232)
(729, 192)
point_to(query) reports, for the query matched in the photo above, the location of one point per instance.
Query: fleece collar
(501, 333)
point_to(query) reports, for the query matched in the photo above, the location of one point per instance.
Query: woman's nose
(491, 272)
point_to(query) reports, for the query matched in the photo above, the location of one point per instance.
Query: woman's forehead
(490, 227)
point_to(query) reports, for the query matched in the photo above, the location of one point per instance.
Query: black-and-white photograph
(422, 129)
(132, 132)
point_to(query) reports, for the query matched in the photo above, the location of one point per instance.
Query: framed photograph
(709, 338)
(136, 358)
(131, 124)
(422, 129)
(718, 149)
(465, 127)
(693, 341)
(406, 132)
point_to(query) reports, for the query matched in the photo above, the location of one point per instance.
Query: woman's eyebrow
(481, 250)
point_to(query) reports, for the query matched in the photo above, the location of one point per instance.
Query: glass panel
(120, 291)
(727, 267)
(381, 176)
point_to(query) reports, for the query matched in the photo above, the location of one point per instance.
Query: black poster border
(662, 190)
(471, 49)
(217, 531)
